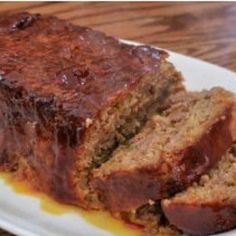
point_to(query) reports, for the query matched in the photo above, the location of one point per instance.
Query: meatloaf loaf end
(209, 206)
(68, 96)
(169, 153)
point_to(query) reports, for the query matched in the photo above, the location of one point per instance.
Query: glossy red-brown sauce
(54, 76)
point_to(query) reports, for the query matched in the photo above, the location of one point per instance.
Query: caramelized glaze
(54, 76)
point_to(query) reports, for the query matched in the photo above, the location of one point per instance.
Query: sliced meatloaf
(172, 151)
(208, 206)
(150, 217)
(69, 96)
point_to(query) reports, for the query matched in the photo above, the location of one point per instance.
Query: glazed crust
(74, 70)
(122, 190)
(54, 76)
(70, 73)
(204, 219)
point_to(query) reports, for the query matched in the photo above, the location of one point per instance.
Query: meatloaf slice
(209, 206)
(68, 96)
(169, 153)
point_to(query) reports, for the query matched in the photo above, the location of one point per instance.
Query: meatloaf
(172, 151)
(68, 96)
(208, 206)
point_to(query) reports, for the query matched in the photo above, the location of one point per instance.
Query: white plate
(22, 215)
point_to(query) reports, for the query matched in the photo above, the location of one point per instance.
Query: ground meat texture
(171, 152)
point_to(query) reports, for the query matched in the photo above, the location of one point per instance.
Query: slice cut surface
(169, 153)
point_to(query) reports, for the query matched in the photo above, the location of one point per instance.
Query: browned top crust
(78, 70)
